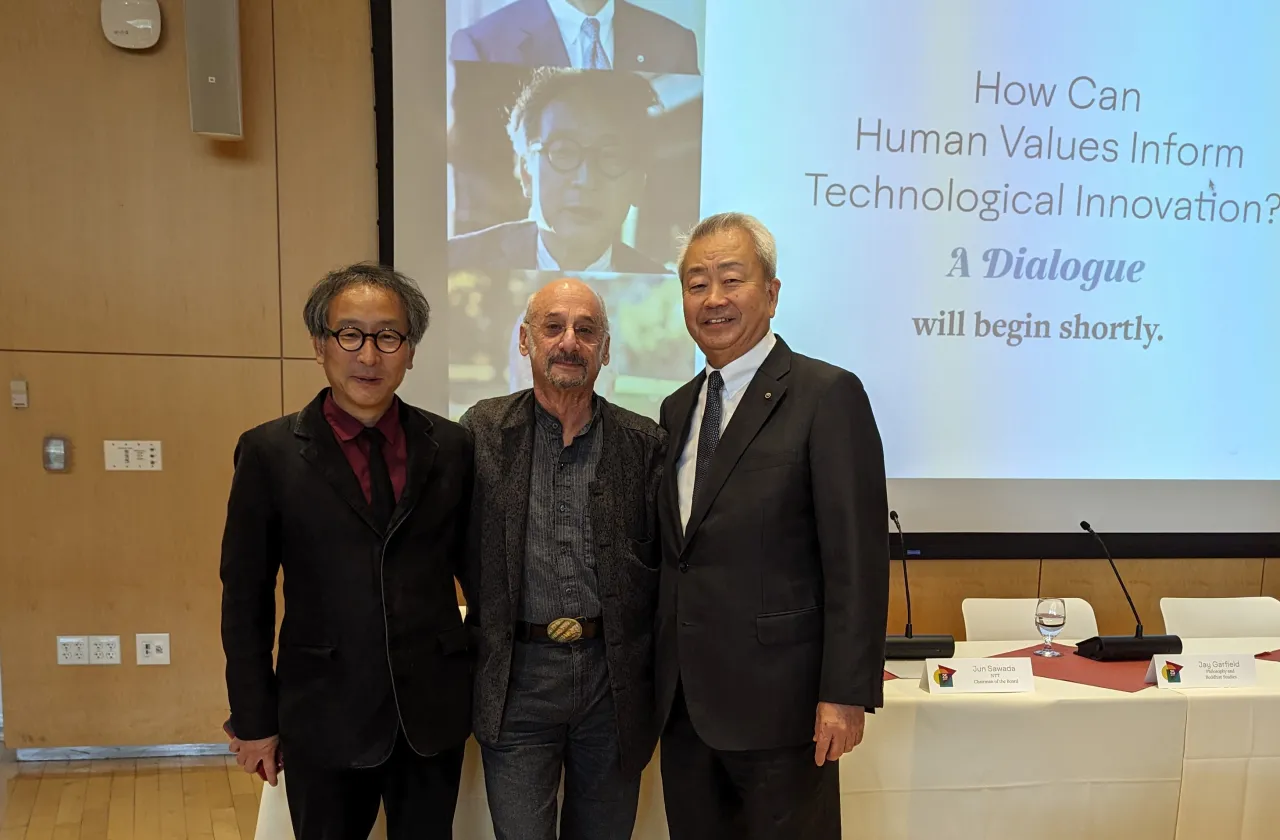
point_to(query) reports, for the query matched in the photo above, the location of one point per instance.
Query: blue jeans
(559, 718)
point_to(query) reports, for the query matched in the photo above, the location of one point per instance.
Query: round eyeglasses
(352, 340)
(566, 155)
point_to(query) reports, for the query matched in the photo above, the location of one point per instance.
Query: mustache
(566, 358)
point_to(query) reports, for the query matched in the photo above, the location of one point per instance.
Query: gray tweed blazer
(624, 528)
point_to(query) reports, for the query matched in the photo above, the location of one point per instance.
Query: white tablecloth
(1231, 763)
(1066, 761)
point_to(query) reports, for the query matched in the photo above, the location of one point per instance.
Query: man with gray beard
(565, 565)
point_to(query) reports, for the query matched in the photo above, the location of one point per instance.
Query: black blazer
(776, 595)
(372, 637)
(624, 498)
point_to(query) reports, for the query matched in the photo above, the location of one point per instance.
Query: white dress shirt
(570, 21)
(546, 262)
(737, 376)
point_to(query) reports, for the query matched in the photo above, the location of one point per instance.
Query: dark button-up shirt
(560, 563)
(395, 451)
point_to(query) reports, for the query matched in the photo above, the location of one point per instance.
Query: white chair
(1014, 619)
(1221, 618)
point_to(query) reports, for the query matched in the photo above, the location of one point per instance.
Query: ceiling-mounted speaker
(213, 68)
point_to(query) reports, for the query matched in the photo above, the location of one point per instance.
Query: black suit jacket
(525, 32)
(372, 637)
(624, 498)
(514, 245)
(775, 596)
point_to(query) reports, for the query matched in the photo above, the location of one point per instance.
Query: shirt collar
(570, 20)
(546, 262)
(549, 423)
(349, 428)
(738, 373)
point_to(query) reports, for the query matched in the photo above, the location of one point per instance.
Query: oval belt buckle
(564, 630)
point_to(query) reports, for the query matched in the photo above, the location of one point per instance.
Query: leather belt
(561, 630)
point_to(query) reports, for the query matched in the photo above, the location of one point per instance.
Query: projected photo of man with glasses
(581, 141)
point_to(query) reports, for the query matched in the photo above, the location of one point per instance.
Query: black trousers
(778, 794)
(419, 794)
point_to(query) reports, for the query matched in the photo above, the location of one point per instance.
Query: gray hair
(416, 309)
(628, 93)
(604, 313)
(765, 246)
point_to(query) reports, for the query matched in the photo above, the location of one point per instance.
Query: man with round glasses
(364, 503)
(580, 141)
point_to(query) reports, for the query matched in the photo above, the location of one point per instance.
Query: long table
(1065, 761)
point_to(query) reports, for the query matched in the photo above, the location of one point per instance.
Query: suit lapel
(517, 462)
(319, 447)
(422, 448)
(763, 394)
(543, 46)
(626, 49)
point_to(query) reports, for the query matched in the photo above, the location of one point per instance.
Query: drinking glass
(1051, 615)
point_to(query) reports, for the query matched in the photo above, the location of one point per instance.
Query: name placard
(978, 676)
(1224, 670)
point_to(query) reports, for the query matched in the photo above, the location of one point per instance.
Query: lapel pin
(640, 59)
(768, 395)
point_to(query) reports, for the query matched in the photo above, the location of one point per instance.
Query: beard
(560, 378)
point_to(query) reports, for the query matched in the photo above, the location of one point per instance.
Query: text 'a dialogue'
(957, 323)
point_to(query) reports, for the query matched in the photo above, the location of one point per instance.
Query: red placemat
(888, 676)
(1119, 676)
(1273, 655)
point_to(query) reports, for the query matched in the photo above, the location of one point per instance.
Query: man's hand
(836, 730)
(261, 757)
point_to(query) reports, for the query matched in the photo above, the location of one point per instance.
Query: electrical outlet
(153, 648)
(104, 650)
(73, 650)
(132, 454)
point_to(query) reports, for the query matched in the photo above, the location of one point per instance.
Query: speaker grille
(213, 67)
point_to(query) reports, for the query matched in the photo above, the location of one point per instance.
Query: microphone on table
(911, 646)
(1124, 648)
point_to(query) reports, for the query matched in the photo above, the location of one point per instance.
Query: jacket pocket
(751, 461)
(791, 627)
(644, 552)
(455, 640)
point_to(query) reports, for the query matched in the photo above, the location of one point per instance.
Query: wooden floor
(169, 798)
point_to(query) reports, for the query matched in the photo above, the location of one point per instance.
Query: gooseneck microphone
(911, 646)
(1137, 633)
(1124, 648)
(906, 585)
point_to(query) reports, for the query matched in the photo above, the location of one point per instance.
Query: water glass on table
(1051, 617)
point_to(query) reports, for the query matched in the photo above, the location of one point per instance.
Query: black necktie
(382, 494)
(708, 432)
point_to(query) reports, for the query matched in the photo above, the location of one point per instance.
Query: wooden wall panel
(302, 381)
(325, 125)
(122, 231)
(1148, 582)
(938, 587)
(119, 553)
(1271, 577)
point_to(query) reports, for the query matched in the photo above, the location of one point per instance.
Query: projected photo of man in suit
(581, 147)
(585, 34)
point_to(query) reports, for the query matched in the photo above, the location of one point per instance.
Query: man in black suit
(775, 574)
(363, 501)
(586, 34)
(580, 141)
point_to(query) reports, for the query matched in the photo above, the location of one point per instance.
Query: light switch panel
(132, 454)
(18, 393)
